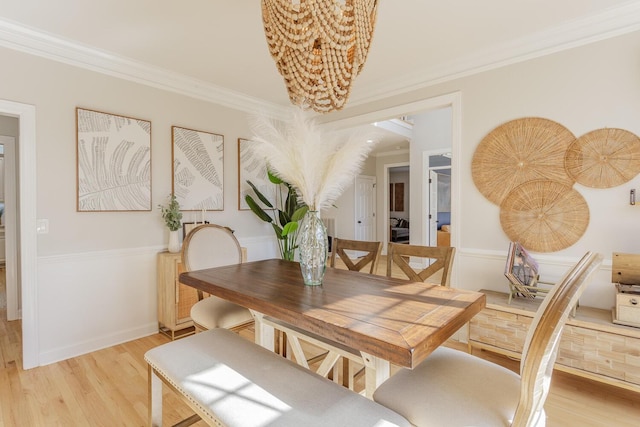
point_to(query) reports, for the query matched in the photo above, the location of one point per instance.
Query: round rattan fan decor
(604, 158)
(543, 215)
(519, 151)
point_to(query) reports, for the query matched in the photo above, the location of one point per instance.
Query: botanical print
(198, 176)
(113, 163)
(254, 169)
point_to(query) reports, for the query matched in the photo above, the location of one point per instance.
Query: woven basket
(604, 158)
(544, 216)
(520, 151)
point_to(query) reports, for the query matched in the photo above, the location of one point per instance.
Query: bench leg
(155, 399)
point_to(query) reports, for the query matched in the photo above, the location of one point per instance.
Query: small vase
(174, 242)
(313, 246)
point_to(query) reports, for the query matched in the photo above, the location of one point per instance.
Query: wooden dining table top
(393, 319)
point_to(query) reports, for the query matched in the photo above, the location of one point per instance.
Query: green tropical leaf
(274, 179)
(278, 231)
(299, 213)
(261, 196)
(283, 217)
(260, 213)
(289, 228)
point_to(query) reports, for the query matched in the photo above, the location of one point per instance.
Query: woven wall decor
(519, 151)
(544, 216)
(604, 158)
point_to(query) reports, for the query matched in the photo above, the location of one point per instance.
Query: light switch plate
(42, 226)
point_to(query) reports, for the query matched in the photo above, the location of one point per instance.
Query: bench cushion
(239, 383)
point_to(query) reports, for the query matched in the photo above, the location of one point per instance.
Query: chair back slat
(543, 339)
(371, 258)
(442, 257)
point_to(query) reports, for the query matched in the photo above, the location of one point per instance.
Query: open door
(365, 216)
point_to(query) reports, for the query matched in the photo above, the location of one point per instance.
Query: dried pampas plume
(318, 162)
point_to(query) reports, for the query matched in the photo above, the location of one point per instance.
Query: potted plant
(285, 217)
(173, 219)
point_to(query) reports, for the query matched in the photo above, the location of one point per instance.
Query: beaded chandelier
(319, 47)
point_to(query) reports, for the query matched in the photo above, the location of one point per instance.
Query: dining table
(387, 320)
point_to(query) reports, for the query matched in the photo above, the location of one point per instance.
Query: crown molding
(610, 23)
(28, 40)
(579, 32)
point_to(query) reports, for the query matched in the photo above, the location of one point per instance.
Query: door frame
(452, 100)
(10, 219)
(26, 226)
(425, 178)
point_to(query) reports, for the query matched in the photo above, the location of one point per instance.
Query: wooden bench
(230, 381)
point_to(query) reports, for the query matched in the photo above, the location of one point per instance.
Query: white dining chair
(208, 246)
(452, 388)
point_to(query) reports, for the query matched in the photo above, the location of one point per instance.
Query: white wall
(97, 270)
(97, 275)
(585, 88)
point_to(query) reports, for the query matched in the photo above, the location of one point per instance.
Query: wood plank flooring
(109, 388)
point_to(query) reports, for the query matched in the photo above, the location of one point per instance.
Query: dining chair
(454, 388)
(358, 262)
(399, 254)
(208, 246)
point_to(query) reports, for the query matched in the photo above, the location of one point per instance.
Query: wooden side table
(592, 346)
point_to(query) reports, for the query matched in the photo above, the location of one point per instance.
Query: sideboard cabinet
(591, 346)
(174, 298)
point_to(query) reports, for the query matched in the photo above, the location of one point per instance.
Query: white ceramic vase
(174, 242)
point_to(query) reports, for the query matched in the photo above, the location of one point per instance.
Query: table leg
(265, 335)
(376, 371)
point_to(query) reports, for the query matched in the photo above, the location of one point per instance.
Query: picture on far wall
(254, 169)
(113, 162)
(198, 169)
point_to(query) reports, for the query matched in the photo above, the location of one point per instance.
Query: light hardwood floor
(109, 388)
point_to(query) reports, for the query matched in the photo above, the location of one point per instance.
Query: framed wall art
(251, 168)
(198, 169)
(113, 162)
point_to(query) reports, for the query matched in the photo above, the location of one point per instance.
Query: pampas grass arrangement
(318, 162)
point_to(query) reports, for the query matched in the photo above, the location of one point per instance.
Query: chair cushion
(213, 312)
(453, 388)
(239, 383)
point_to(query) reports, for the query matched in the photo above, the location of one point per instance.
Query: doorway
(26, 253)
(451, 101)
(398, 202)
(8, 223)
(438, 193)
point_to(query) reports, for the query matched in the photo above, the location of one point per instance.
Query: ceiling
(216, 49)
